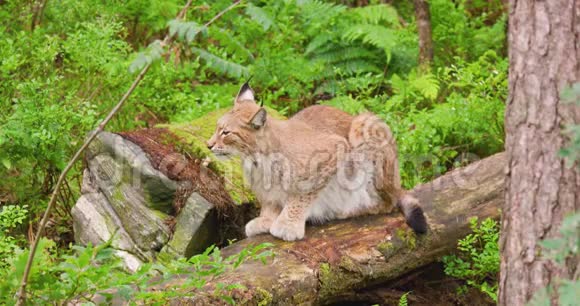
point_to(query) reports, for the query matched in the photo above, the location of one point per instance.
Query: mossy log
(336, 260)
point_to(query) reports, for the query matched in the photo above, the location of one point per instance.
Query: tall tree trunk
(544, 53)
(424, 27)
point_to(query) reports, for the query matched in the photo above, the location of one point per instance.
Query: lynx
(321, 164)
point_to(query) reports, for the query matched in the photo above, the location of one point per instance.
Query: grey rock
(130, 261)
(127, 201)
(117, 159)
(195, 228)
(89, 185)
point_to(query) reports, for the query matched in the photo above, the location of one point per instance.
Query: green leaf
(403, 300)
(428, 85)
(540, 298)
(260, 16)
(378, 36)
(571, 94)
(7, 163)
(569, 293)
(318, 41)
(553, 244)
(222, 65)
(374, 14)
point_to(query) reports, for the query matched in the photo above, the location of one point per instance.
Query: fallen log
(337, 259)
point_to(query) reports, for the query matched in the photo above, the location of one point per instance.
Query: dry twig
(21, 295)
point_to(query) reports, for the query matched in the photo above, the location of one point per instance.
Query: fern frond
(357, 66)
(375, 14)
(318, 42)
(260, 16)
(349, 59)
(403, 301)
(221, 65)
(375, 35)
(320, 11)
(186, 30)
(340, 54)
(398, 84)
(230, 43)
(151, 54)
(427, 85)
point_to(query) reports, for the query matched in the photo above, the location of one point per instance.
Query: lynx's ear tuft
(246, 93)
(259, 119)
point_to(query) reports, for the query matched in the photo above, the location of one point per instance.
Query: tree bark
(423, 17)
(337, 259)
(544, 53)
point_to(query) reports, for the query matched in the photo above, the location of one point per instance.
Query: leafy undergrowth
(91, 273)
(477, 261)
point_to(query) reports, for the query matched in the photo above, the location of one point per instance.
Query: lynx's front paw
(258, 226)
(287, 231)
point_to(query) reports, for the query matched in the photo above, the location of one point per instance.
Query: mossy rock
(193, 136)
(195, 229)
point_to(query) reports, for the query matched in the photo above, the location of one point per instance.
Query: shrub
(11, 216)
(84, 272)
(478, 260)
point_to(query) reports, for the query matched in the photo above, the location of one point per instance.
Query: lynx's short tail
(371, 138)
(413, 213)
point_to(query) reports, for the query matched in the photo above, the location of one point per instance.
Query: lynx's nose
(209, 145)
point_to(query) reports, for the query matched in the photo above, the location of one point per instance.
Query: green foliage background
(60, 78)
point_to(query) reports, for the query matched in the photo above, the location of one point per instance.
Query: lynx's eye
(225, 133)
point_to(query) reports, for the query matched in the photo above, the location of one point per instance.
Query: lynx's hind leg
(372, 138)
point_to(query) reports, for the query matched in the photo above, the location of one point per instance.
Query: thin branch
(22, 292)
(21, 295)
(221, 13)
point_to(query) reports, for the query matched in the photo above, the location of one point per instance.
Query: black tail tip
(417, 221)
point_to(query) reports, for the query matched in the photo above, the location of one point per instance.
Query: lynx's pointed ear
(259, 119)
(245, 94)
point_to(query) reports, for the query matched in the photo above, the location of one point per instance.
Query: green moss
(386, 248)
(335, 279)
(324, 270)
(118, 195)
(404, 240)
(161, 215)
(348, 264)
(193, 136)
(111, 224)
(301, 298)
(407, 236)
(263, 296)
